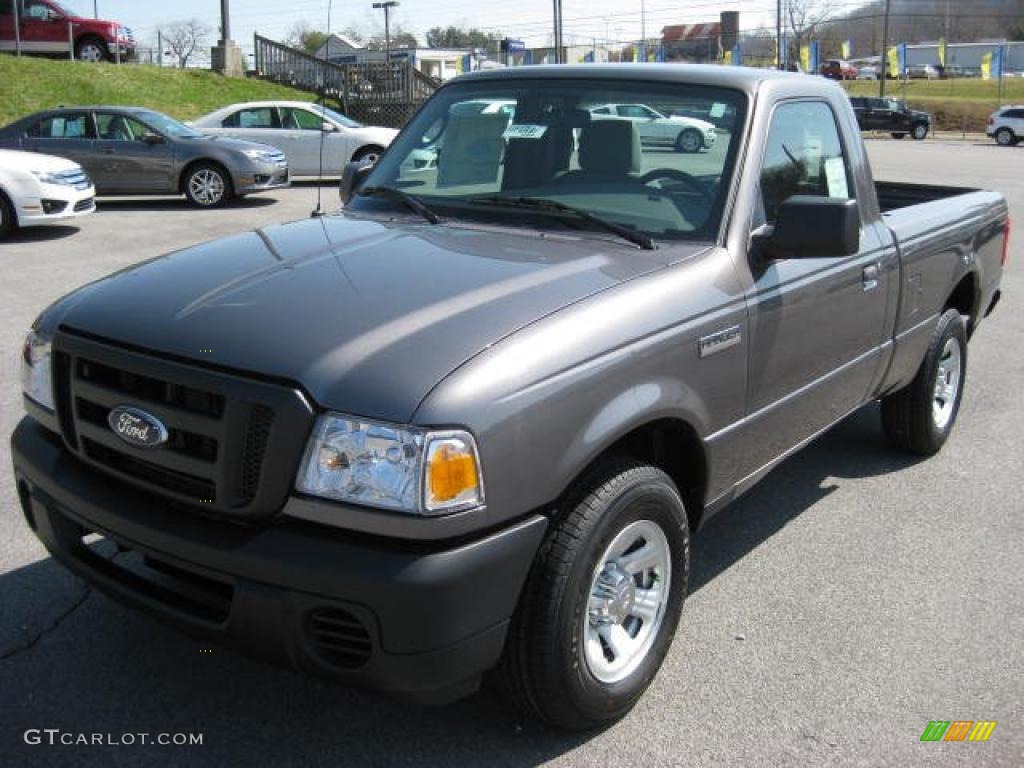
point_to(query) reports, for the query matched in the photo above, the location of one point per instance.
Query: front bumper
(418, 620)
(55, 203)
(260, 177)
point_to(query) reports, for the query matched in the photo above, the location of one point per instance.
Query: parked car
(1006, 126)
(839, 69)
(891, 115)
(868, 72)
(923, 72)
(686, 134)
(132, 151)
(44, 26)
(471, 421)
(295, 128)
(41, 189)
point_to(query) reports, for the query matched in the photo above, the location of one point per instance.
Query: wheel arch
(965, 298)
(366, 148)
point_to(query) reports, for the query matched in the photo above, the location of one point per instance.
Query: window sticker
(524, 131)
(835, 175)
(717, 110)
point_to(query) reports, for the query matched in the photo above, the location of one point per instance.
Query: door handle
(869, 277)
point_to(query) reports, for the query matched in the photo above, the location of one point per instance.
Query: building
(692, 42)
(438, 63)
(967, 56)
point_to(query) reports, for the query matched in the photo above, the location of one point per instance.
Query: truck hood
(367, 315)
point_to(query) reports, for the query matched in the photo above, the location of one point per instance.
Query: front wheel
(91, 49)
(602, 601)
(371, 153)
(207, 185)
(920, 132)
(920, 417)
(689, 141)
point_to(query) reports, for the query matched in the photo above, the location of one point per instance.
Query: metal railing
(385, 93)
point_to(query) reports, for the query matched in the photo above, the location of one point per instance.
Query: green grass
(31, 84)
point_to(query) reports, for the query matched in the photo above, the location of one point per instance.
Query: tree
(184, 38)
(803, 17)
(456, 37)
(304, 37)
(400, 38)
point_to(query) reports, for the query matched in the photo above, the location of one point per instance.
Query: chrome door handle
(869, 277)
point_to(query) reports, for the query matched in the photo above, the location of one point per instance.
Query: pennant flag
(894, 62)
(942, 51)
(737, 55)
(660, 54)
(634, 54)
(527, 58)
(815, 57)
(901, 50)
(986, 66)
(727, 58)
(588, 57)
(805, 58)
(847, 49)
(997, 64)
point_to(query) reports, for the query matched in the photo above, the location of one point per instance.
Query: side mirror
(152, 138)
(52, 15)
(328, 127)
(352, 178)
(813, 227)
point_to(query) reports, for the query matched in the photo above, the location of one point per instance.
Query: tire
(556, 667)
(898, 135)
(919, 132)
(91, 49)
(371, 151)
(207, 185)
(916, 419)
(1005, 138)
(8, 223)
(689, 141)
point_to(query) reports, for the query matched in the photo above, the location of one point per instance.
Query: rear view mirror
(813, 227)
(353, 177)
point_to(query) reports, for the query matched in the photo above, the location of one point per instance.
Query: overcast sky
(526, 19)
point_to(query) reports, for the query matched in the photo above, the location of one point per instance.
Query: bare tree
(304, 37)
(184, 38)
(803, 17)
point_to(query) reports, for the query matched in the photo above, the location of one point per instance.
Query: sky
(529, 20)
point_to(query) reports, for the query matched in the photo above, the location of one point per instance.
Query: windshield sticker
(835, 175)
(717, 110)
(524, 131)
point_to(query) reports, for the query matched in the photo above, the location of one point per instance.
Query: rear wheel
(207, 185)
(7, 221)
(689, 141)
(602, 601)
(919, 418)
(91, 49)
(920, 131)
(1005, 137)
(898, 135)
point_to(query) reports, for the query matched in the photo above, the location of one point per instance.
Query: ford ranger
(468, 424)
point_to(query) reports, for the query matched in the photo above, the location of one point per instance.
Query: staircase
(376, 93)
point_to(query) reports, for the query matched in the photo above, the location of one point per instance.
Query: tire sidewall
(691, 133)
(920, 132)
(950, 326)
(225, 195)
(1008, 142)
(648, 499)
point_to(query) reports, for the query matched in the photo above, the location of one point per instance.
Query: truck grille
(220, 427)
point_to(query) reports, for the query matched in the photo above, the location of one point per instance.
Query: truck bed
(893, 195)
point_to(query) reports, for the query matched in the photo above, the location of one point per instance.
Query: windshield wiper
(555, 207)
(411, 201)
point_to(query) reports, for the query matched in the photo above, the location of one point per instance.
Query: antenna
(318, 211)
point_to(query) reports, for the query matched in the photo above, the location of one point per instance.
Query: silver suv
(1006, 126)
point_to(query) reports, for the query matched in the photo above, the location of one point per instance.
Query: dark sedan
(130, 151)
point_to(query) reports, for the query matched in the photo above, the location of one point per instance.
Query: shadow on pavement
(74, 660)
(150, 204)
(40, 234)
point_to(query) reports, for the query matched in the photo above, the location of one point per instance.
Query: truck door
(816, 324)
(43, 28)
(6, 25)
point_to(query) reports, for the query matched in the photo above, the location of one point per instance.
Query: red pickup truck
(44, 27)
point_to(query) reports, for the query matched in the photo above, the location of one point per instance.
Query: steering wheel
(683, 177)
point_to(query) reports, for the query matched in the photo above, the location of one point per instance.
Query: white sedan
(296, 128)
(686, 134)
(41, 189)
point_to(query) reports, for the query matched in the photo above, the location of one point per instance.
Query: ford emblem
(136, 427)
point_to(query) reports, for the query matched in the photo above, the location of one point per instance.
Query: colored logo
(958, 730)
(136, 427)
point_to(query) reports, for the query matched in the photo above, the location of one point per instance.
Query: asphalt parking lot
(849, 599)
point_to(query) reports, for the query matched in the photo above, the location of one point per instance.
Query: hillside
(30, 84)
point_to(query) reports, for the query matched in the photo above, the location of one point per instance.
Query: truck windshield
(656, 158)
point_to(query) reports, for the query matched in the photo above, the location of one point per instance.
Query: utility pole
(17, 28)
(387, 6)
(557, 10)
(159, 48)
(643, 31)
(95, 9)
(225, 20)
(883, 69)
(778, 35)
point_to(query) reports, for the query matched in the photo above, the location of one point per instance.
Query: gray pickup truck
(468, 424)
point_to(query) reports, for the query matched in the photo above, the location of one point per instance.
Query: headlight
(49, 178)
(260, 155)
(36, 382)
(404, 469)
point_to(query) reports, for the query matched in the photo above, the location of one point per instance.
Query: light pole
(883, 69)
(643, 31)
(387, 6)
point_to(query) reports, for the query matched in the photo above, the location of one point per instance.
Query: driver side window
(803, 156)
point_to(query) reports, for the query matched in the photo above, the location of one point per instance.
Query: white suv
(1007, 126)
